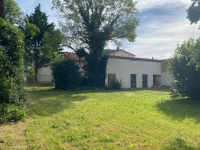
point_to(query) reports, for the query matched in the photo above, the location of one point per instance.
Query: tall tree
(90, 24)
(13, 13)
(41, 39)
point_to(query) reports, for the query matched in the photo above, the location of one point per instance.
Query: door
(145, 80)
(111, 79)
(156, 80)
(133, 80)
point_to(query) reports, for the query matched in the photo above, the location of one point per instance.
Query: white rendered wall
(45, 74)
(166, 79)
(123, 68)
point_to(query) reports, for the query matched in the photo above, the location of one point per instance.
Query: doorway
(133, 80)
(111, 79)
(156, 80)
(145, 80)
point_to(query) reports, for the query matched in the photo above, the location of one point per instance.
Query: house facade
(133, 72)
(136, 72)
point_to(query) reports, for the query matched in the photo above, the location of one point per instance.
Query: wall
(166, 79)
(45, 74)
(124, 67)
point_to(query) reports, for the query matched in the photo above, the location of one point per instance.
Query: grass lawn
(105, 120)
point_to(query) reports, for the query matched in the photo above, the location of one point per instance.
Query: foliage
(117, 84)
(185, 70)
(11, 113)
(41, 39)
(11, 63)
(13, 13)
(89, 25)
(95, 69)
(66, 74)
(193, 11)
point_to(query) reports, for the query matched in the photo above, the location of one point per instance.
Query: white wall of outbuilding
(123, 68)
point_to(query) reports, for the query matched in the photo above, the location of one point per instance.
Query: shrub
(117, 84)
(184, 66)
(11, 74)
(66, 74)
(11, 113)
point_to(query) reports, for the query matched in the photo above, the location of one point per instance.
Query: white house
(134, 72)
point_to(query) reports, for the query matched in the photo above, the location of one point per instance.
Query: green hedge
(11, 72)
(66, 75)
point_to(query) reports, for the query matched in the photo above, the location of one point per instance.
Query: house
(134, 72)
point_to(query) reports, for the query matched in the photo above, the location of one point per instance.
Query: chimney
(2, 9)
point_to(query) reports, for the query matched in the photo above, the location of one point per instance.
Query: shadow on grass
(179, 144)
(47, 102)
(180, 109)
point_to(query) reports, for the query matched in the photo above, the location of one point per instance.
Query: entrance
(156, 80)
(111, 79)
(145, 80)
(133, 80)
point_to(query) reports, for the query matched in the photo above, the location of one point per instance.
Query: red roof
(72, 56)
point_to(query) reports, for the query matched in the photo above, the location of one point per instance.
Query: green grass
(105, 120)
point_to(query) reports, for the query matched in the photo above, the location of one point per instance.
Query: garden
(104, 119)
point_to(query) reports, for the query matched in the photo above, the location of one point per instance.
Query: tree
(184, 69)
(12, 95)
(66, 74)
(2, 9)
(41, 39)
(90, 24)
(13, 13)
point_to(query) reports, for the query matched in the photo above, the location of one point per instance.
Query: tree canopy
(13, 13)
(41, 39)
(88, 21)
(183, 65)
(90, 24)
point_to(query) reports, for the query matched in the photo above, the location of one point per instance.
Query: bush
(11, 113)
(66, 75)
(11, 73)
(184, 66)
(117, 84)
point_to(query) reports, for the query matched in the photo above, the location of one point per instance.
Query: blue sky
(163, 25)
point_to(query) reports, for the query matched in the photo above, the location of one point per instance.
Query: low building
(134, 72)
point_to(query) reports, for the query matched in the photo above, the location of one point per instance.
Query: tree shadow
(181, 108)
(179, 144)
(49, 102)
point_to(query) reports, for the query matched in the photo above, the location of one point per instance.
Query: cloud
(163, 25)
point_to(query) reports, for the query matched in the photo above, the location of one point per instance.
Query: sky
(163, 24)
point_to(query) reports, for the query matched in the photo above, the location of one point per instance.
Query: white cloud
(163, 25)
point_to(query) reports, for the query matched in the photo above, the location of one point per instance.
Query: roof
(136, 58)
(117, 50)
(72, 56)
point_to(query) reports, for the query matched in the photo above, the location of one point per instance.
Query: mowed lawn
(105, 120)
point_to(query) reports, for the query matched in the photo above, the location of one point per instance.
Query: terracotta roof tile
(72, 56)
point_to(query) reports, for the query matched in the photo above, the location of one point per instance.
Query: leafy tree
(13, 13)
(90, 24)
(184, 69)
(66, 74)
(41, 39)
(12, 95)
